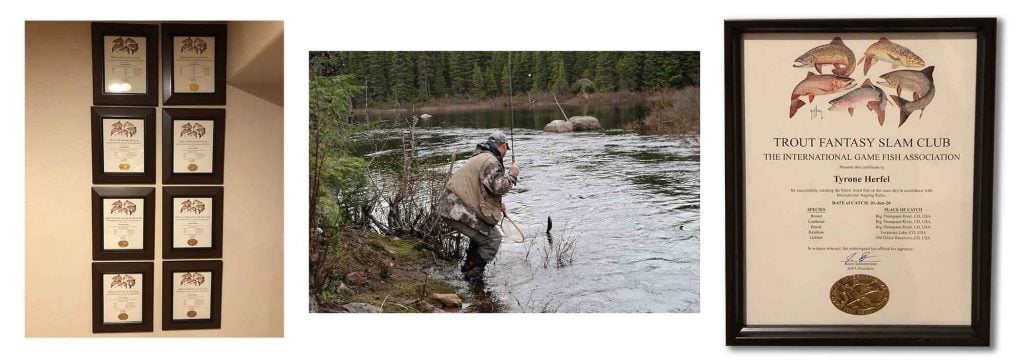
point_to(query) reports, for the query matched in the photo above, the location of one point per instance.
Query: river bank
(519, 101)
(377, 273)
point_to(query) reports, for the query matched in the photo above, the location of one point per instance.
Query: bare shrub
(404, 194)
(677, 115)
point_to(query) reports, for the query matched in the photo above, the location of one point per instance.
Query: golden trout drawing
(889, 52)
(835, 53)
(868, 95)
(920, 84)
(814, 85)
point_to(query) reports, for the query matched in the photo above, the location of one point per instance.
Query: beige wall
(58, 257)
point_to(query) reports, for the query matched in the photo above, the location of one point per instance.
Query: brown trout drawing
(835, 53)
(889, 52)
(195, 46)
(192, 279)
(814, 85)
(125, 207)
(867, 94)
(193, 206)
(919, 83)
(193, 130)
(125, 45)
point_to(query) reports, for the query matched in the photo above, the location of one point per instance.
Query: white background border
(512, 338)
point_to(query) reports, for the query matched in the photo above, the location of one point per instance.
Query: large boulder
(575, 123)
(359, 307)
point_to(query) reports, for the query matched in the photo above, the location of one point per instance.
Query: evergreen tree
(540, 72)
(626, 70)
(479, 87)
(403, 77)
(559, 83)
(505, 81)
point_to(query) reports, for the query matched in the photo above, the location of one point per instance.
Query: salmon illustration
(889, 52)
(919, 83)
(814, 85)
(835, 53)
(867, 94)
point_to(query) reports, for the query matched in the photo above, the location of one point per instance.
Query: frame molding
(99, 95)
(215, 266)
(220, 33)
(101, 268)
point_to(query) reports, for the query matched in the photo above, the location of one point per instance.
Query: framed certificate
(193, 222)
(859, 181)
(122, 297)
(123, 145)
(192, 294)
(193, 151)
(124, 61)
(122, 223)
(195, 58)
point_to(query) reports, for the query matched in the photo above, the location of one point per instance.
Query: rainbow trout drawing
(868, 95)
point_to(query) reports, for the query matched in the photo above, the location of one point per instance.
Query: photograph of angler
(497, 181)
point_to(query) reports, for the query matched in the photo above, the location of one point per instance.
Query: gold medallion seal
(193, 86)
(191, 313)
(192, 242)
(193, 167)
(859, 294)
(124, 166)
(123, 316)
(122, 243)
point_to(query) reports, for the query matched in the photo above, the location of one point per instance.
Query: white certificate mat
(194, 68)
(123, 147)
(123, 223)
(122, 298)
(192, 295)
(193, 222)
(193, 146)
(834, 193)
(124, 61)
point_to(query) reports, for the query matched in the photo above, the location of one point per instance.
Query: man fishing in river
(472, 204)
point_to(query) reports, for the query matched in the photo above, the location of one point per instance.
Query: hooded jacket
(473, 194)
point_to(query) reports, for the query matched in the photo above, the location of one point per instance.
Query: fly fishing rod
(512, 143)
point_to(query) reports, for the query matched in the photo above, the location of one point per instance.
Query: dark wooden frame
(98, 270)
(217, 176)
(216, 250)
(215, 266)
(148, 217)
(976, 334)
(99, 94)
(219, 32)
(149, 141)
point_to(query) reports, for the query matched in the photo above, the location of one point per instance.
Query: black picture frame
(149, 140)
(217, 235)
(148, 219)
(216, 177)
(738, 332)
(101, 268)
(169, 268)
(100, 96)
(219, 32)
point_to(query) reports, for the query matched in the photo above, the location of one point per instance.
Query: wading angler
(472, 203)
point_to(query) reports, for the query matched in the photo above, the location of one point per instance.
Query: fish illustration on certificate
(857, 194)
(193, 146)
(192, 295)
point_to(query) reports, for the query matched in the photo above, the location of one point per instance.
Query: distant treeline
(402, 77)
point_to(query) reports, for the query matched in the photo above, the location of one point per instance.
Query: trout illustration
(813, 85)
(867, 94)
(919, 83)
(835, 53)
(889, 52)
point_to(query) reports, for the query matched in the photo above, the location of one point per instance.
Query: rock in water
(426, 116)
(447, 299)
(575, 123)
(359, 307)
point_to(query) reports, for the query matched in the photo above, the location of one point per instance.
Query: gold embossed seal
(193, 167)
(191, 313)
(192, 242)
(859, 294)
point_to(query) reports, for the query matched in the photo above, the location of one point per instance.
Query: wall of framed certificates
(160, 224)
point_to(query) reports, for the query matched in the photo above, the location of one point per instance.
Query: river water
(631, 202)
